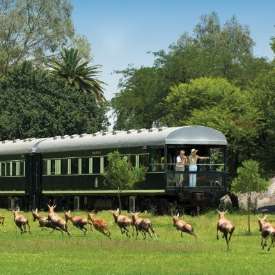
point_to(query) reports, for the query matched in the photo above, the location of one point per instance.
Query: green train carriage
(70, 169)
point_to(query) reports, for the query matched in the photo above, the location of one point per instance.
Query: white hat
(194, 151)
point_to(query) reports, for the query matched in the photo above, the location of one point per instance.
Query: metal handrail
(200, 164)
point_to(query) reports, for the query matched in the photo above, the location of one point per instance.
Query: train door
(33, 181)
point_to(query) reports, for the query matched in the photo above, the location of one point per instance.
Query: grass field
(42, 252)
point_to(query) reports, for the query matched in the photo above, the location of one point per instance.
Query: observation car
(70, 169)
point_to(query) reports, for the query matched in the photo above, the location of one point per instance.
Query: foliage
(121, 174)
(264, 98)
(136, 104)
(35, 104)
(219, 104)
(34, 30)
(77, 73)
(249, 180)
(213, 50)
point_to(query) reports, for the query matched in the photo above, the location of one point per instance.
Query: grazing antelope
(267, 230)
(77, 221)
(99, 224)
(57, 221)
(21, 222)
(183, 226)
(142, 225)
(122, 221)
(225, 227)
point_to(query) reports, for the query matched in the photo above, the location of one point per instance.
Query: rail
(162, 167)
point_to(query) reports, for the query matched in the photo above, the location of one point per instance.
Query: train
(70, 170)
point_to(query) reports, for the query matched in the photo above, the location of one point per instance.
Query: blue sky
(121, 32)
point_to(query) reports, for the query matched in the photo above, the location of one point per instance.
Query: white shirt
(179, 165)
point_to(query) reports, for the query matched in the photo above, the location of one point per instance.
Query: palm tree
(78, 73)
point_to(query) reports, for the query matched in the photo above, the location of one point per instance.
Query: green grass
(42, 252)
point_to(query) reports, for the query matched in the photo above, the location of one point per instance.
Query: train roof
(186, 135)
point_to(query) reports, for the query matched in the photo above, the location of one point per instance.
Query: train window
(106, 162)
(8, 169)
(216, 159)
(52, 167)
(64, 166)
(137, 160)
(22, 168)
(13, 169)
(3, 169)
(74, 166)
(90, 165)
(144, 160)
(156, 161)
(96, 165)
(17, 168)
(132, 160)
(48, 167)
(0, 169)
(44, 167)
(79, 166)
(85, 166)
(101, 165)
(69, 166)
(57, 164)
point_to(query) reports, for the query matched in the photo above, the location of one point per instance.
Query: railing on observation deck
(207, 175)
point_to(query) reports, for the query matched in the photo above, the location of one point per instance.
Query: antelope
(44, 222)
(142, 225)
(57, 221)
(267, 230)
(183, 226)
(99, 225)
(21, 222)
(77, 221)
(2, 219)
(122, 221)
(225, 227)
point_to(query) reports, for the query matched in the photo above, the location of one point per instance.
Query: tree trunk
(119, 199)
(248, 214)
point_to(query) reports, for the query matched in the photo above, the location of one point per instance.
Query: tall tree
(35, 29)
(136, 104)
(264, 99)
(212, 50)
(78, 73)
(35, 104)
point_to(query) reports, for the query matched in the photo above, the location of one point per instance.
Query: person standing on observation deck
(193, 168)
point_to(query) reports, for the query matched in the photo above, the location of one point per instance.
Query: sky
(124, 32)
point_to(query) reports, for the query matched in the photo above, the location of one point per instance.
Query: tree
(78, 73)
(264, 98)
(137, 103)
(34, 30)
(219, 104)
(249, 180)
(121, 174)
(212, 50)
(272, 44)
(35, 104)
